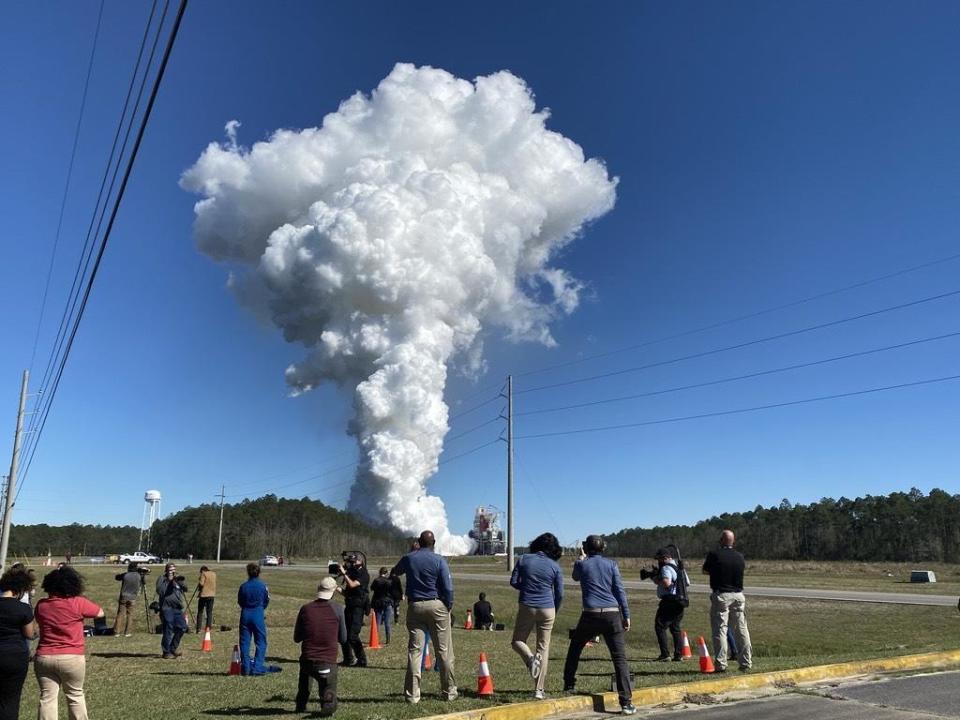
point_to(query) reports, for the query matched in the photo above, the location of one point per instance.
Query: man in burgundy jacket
(321, 629)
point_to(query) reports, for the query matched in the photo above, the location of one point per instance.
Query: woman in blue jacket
(540, 582)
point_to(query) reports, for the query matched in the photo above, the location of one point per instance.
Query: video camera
(652, 572)
(349, 559)
(143, 570)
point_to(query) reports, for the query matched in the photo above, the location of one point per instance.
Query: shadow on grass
(191, 673)
(124, 655)
(251, 711)
(282, 660)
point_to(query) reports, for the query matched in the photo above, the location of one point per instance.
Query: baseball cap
(326, 588)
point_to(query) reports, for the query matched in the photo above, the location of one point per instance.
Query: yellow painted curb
(727, 682)
(735, 680)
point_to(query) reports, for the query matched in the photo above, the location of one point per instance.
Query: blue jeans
(174, 626)
(385, 620)
(252, 623)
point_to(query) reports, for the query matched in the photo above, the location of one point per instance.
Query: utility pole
(12, 477)
(510, 538)
(220, 532)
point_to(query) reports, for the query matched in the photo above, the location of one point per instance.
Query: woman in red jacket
(60, 661)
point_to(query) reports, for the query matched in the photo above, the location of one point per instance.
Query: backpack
(683, 583)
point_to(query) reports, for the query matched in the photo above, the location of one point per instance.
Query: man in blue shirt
(429, 602)
(670, 610)
(253, 598)
(606, 613)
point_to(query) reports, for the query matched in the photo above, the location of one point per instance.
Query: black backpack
(683, 585)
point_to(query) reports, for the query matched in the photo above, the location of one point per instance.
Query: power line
(83, 262)
(746, 376)
(738, 346)
(113, 215)
(748, 316)
(737, 411)
(66, 185)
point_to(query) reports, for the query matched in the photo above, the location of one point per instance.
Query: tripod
(146, 605)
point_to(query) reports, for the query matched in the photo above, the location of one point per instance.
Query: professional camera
(349, 559)
(143, 570)
(653, 572)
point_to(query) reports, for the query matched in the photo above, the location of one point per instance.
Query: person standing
(382, 602)
(253, 597)
(540, 581)
(356, 600)
(320, 628)
(130, 582)
(725, 567)
(207, 588)
(172, 599)
(17, 629)
(606, 613)
(670, 609)
(60, 661)
(429, 603)
(396, 593)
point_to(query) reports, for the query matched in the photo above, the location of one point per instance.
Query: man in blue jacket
(253, 598)
(606, 613)
(429, 601)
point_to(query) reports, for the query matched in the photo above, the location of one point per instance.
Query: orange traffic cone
(427, 662)
(207, 645)
(235, 661)
(706, 662)
(374, 643)
(685, 651)
(484, 678)
(468, 625)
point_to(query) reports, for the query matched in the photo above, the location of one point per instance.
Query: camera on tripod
(349, 560)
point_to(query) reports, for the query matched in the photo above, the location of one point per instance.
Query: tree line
(270, 525)
(903, 527)
(33, 540)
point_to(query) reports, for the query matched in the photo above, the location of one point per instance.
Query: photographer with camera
(130, 583)
(666, 575)
(171, 594)
(356, 600)
(606, 613)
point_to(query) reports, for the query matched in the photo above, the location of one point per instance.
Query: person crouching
(320, 628)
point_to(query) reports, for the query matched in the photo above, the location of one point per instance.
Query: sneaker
(720, 670)
(168, 656)
(662, 658)
(129, 635)
(628, 709)
(539, 695)
(569, 689)
(536, 665)
(412, 701)
(344, 663)
(744, 668)
(678, 659)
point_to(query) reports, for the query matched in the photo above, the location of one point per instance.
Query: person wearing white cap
(320, 629)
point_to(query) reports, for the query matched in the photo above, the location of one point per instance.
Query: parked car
(268, 560)
(139, 557)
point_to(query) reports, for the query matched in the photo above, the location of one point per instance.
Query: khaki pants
(528, 619)
(729, 608)
(429, 616)
(124, 621)
(54, 672)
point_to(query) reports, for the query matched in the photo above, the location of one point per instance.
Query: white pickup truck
(139, 557)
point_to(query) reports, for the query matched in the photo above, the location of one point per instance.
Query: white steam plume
(384, 240)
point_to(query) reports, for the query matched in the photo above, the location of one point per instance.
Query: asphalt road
(779, 592)
(918, 697)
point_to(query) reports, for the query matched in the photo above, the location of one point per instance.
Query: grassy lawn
(126, 678)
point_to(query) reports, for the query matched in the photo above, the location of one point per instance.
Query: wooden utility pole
(12, 477)
(510, 539)
(220, 531)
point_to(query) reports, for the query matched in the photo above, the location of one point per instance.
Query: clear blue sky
(766, 152)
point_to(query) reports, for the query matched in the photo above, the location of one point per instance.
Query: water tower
(151, 513)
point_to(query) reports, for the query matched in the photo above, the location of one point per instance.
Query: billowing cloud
(385, 240)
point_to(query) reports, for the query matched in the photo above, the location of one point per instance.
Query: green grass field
(127, 679)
